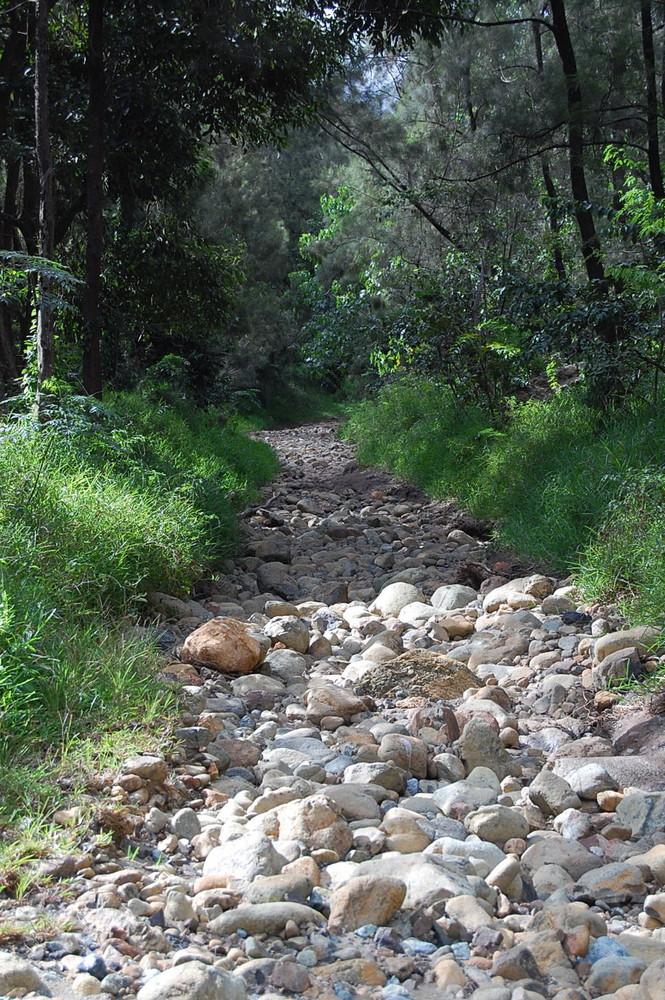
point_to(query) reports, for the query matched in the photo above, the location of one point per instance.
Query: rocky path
(400, 774)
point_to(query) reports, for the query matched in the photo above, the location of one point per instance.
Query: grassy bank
(96, 508)
(562, 488)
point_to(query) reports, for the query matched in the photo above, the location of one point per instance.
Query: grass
(96, 508)
(563, 489)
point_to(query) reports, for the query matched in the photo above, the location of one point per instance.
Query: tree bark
(555, 227)
(45, 338)
(92, 360)
(653, 148)
(591, 248)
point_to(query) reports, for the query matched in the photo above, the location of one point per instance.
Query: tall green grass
(96, 509)
(563, 488)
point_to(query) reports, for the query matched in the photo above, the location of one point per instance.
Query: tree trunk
(591, 249)
(555, 226)
(655, 170)
(92, 361)
(45, 339)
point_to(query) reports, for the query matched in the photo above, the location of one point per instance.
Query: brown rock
(516, 963)
(222, 645)
(333, 700)
(318, 823)
(406, 752)
(355, 971)
(367, 899)
(243, 753)
(291, 977)
(432, 674)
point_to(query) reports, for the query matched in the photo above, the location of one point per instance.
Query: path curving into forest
(400, 773)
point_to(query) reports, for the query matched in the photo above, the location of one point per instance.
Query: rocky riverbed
(399, 774)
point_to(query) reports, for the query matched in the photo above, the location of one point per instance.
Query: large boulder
(224, 645)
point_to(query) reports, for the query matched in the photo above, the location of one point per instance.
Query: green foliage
(97, 506)
(563, 488)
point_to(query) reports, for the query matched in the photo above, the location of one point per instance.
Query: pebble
(363, 803)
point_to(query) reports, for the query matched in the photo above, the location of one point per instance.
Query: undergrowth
(562, 488)
(98, 506)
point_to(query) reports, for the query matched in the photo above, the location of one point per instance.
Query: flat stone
(264, 918)
(614, 883)
(193, 981)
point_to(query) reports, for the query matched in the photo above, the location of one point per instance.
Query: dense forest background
(449, 215)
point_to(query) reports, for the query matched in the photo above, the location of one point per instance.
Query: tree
(45, 334)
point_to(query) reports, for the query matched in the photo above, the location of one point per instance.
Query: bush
(96, 508)
(563, 488)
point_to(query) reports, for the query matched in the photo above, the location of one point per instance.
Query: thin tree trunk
(45, 338)
(555, 227)
(591, 248)
(92, 361)
(655, 170)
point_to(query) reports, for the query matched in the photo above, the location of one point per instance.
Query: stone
(496, 823)
(515, 963)
(453, 596)
(424, 875)
(394, 597)
(480, 745)
(552, 794)
(654, 860)
(591, 779)
(423, 673)
(448, 974)
(264, 918)
(274, 578)
(468, 912)
(318, 823)
(643, 812)
(333, 700)
(569, 855)
(404, 832)
(611, 973)
(406, 752)
(614, 668)
(193, 981)
(244, 858)
(385, 775)
(290, 630)
(365, 900)
(17, 974)
(652, 981)
(641, 637)
(185, 823)
(613, 884)
(291, 977)
(222, 645)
